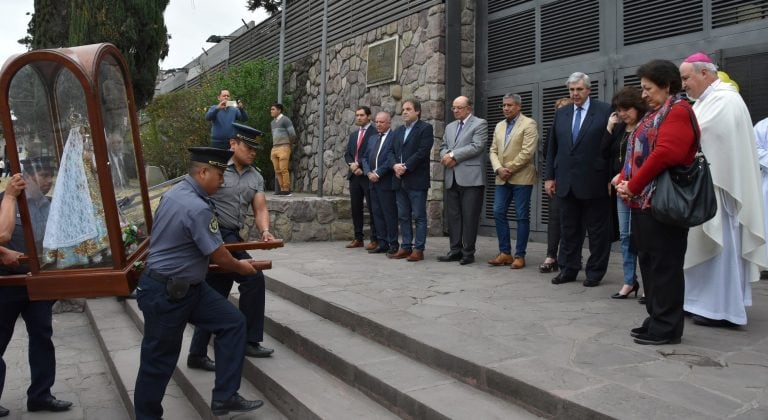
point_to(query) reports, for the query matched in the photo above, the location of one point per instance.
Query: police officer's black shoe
(234, 403)
(201, 362)
(4, 411)
(255, 350)
(48, 404)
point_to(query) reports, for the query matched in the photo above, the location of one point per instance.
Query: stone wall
(420, 75)
(303, 217)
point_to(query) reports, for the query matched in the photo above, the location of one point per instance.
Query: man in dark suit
(411, 147)
(577, 172)
(463, 154)
(358, 181)
(378, 168)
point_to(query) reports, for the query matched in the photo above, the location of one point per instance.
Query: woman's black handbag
(685, 195)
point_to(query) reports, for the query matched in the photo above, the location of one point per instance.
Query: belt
(161, 278)
(154, 275)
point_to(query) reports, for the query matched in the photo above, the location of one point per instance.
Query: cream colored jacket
(518, 154)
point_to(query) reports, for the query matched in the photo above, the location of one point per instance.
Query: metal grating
(498, 5)
(656, 19)
(561, 37)
(494, 116)
(735, 12)
(304, 22)
(631, 80)
(512, 41)
(749, 72)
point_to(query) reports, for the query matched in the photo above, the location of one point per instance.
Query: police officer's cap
(249, 135)
(211, 155)
(38, 163)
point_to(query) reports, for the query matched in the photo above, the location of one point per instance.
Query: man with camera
(221, 116)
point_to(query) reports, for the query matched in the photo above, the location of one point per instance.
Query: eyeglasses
(457, 108)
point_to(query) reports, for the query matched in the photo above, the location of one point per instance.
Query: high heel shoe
(548, 267)
(635, 288)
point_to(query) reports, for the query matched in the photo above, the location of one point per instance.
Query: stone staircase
(335, 359)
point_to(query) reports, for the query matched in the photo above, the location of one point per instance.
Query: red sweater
(675, 146)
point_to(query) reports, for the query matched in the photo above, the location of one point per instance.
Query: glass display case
(71, 130)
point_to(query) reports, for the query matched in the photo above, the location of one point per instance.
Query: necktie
(461, 125)
(510, 126)
(359, 142)
(378, 150)
(576, 125)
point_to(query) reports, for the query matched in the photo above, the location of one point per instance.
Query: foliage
(175, 120)
(271, 6)
(136, 27)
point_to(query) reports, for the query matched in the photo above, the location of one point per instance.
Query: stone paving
(568, 339)
(82, 375)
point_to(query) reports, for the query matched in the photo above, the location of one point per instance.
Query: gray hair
(577, 77)
(515, 98)
(708, 67)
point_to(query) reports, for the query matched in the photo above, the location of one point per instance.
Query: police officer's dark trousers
(164, 323)
(14, 301)
(251, 300)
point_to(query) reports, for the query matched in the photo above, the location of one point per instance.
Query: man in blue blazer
(357, 146)
(378, 169)
(411, 147)
(577, 173)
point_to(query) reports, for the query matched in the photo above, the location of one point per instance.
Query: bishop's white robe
(726, 253)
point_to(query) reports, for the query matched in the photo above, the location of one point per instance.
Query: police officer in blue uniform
(172, 290)
(243, 187)
(14, 300)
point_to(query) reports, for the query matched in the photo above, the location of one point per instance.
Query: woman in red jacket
(667, 136)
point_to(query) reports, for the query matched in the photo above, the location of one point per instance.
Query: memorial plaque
(382, 62)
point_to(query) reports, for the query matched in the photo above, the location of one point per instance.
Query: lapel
(585, 123)
(414, 128)
(515, 130)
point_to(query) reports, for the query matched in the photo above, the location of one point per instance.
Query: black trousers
(578, 217)
(553, 228)
(359, 189)
(660, 254)
(462, 208)
(252, 297)
(14, 302)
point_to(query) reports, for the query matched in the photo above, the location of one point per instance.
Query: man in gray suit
(462, 155)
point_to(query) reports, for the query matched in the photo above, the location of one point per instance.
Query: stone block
(311, 231)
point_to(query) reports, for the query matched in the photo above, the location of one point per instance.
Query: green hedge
(176, 120)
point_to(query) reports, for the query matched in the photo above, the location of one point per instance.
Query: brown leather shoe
(416, 255)
(372, 245)
(355, 244)
(502, 259)
(400, 254)
(519, 262)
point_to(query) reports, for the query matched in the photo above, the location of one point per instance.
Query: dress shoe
(641, 300)
(548, 267)
(355, 244)
(49, 404)
(468, 259)
(391, 253)
(647, 339)
(235, 403)
(4, 411)
(400, 254)
(619, 295)
(255, 350)
(518, 263)
(201, 362)
(371, 246)
(449, 257)
(378, 250)
(637, 332)
(591, 283)
(708, 322)
(416, 255)
(502, 259)
(562, 278)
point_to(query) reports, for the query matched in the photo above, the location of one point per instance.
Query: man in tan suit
(514, 145)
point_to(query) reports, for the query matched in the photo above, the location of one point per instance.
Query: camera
(231, 103)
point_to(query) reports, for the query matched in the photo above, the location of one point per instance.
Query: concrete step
(471, 360)
(290, 386)
(405, 386)
(120, 342)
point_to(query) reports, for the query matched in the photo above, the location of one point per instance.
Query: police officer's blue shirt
(184, 233)
(236, 195)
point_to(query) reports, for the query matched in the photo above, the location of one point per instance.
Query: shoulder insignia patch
(213, 226)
